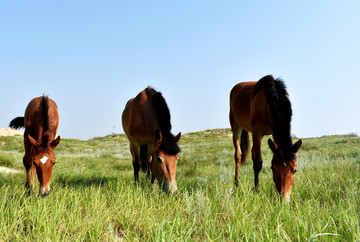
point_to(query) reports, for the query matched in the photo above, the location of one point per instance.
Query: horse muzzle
(285, 197)
(169, 187)
(44, 191)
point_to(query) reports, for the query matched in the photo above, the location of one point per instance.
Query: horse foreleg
(136, 172)
(152, 179)
(30, 174)
(28, 164)
(257, 159)
(149, 160)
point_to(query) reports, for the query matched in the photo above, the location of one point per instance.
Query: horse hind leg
(244, 146)
(236, 131)
(135, 151)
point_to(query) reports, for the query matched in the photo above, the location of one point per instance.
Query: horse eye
(294, 171)
(159, 159)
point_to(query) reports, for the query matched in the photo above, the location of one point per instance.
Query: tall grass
(94, 198)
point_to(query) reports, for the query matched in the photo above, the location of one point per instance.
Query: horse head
(44, 160)
(283, 166)
(164, 160)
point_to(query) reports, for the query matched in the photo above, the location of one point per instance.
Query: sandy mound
(10, 132)
(8, 170)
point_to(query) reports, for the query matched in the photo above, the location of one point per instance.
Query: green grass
(94, 198)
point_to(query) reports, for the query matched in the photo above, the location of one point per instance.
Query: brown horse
(41, 122)
(263, 108)
(146, 122)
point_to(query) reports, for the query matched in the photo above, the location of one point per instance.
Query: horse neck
(282, 137)
(47, 137)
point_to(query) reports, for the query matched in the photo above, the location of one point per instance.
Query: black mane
(45, 119)
(168, 143)
(278, 99)
(284, 155)
(162, 110)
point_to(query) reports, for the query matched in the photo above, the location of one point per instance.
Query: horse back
(35, 123)
(139, 119)
(249, 110)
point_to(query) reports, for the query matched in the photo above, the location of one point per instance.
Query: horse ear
(177, 137)
(158, 136)
(33, 141)
(272, 145)
(55, 142)
(296, 147)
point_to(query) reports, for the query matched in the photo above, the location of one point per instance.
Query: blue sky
(91, 57)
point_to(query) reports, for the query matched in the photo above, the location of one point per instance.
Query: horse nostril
(43, 192)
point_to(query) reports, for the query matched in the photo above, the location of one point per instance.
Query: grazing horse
(146, 122)
(263, 108)
(41, 121)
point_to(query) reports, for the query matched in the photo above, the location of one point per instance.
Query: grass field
(93, 195)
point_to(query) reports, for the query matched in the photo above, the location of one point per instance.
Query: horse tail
(17, 123)
(244, 145)
(144, 157)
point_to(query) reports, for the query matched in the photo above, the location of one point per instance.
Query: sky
(91, 57)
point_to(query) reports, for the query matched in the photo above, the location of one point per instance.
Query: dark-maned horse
(263, 108)
(41, 122)
(146, 122)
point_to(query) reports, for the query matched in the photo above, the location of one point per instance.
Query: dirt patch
(10, 132)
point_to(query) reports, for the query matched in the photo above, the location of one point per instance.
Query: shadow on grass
(84, 181)
(98, 180)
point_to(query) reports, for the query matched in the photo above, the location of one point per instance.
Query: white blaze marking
(44, 159)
